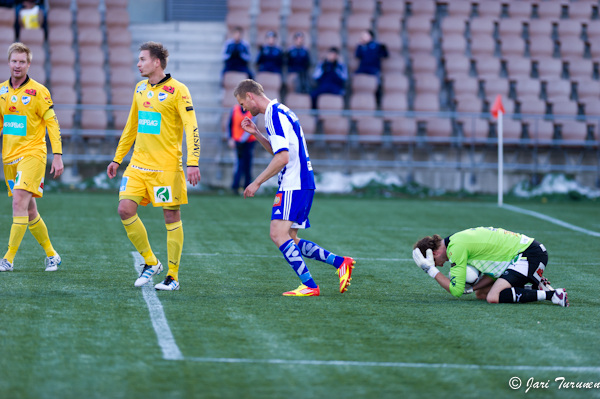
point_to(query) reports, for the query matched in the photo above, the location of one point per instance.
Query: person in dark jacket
(236, 53)
(270, 56)
(298, 62)
(370, 53)
(330, 75)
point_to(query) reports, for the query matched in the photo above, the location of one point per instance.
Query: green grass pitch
(86, 332)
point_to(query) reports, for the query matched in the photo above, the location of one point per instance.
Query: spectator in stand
(330, 75)
(370, 53)
(298, 62)
(30, 14)
(236, 53)
(270, 56)
(243, 143)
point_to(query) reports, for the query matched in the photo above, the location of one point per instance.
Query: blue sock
(291, 253)
(313, 251)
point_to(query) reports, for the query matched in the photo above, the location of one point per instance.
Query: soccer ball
(472, 275)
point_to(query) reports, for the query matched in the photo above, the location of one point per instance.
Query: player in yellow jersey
(161, 110)
(26, 111)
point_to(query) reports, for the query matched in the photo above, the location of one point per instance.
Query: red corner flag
(497, 106)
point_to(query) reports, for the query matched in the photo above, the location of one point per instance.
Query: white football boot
(52, 263)
(147, 273)
(560, 297)
(170, 284)
(5, 266)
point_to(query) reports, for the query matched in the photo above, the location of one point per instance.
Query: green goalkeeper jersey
(488, 249)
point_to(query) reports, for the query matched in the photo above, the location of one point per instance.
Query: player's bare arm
(277, 163)
(193, 175)
(111, 170)
(252, 129)
(57, 166)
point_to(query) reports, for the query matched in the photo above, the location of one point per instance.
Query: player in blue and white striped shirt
(285, 141)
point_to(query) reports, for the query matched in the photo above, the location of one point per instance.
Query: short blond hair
(248, 86)
(20, 48)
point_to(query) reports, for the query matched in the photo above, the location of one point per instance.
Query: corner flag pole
(498, 112)
(500, 159)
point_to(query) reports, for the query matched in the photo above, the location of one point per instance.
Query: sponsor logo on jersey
(149, 122)
(31, 92)
(189, 108)
(162, 96)
(169, 89)
(150, 94)
(141, 88)
(15, 125)
(277, 201)
(162, 194)
(26, 99)
(3, 89)
(13, 99)
(147, 104)
(124, 181)
(12, 108)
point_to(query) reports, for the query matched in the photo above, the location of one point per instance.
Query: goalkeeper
(507, 260)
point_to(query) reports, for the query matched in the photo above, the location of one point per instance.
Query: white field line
(166, 341)
(551, 220)
(574, 369)
(171, 351)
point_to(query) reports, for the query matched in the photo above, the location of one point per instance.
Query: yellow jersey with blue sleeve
(25, 113)
(159, 115)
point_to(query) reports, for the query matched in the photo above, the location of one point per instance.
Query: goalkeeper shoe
(5, 266)
(52, 263)
(147, 273)
(560, 297)
(344, 272)
(303, 291)
(170, 284)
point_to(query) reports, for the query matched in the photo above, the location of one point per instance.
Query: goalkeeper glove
(425, 263)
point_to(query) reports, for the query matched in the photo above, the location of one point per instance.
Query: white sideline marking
(166, 341)
(551, 220)
(171, 351)
(394, 364)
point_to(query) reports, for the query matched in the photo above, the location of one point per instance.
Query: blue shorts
(293, 205)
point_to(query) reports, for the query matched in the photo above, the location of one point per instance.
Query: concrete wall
(146, 11)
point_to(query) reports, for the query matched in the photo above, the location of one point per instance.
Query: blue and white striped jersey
(285, 134)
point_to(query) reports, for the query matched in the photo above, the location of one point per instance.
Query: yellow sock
(174, 247)
(17, 231)
(40, 232)
(139, 238)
